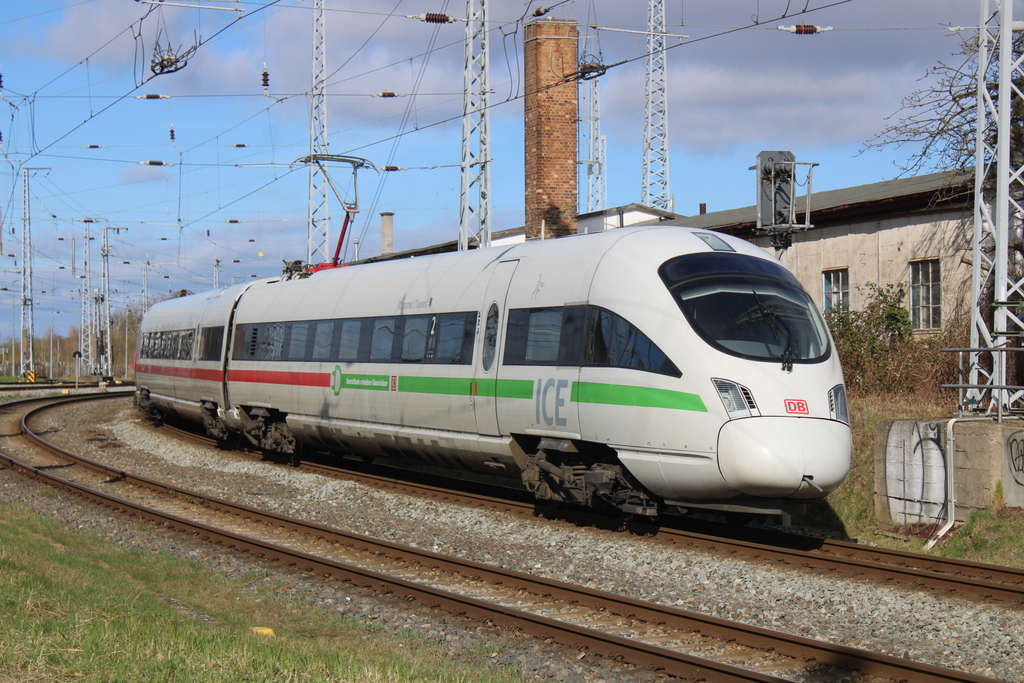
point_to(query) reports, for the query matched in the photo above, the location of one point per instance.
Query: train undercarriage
(557, 471)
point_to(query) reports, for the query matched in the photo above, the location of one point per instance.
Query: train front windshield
(747, 307)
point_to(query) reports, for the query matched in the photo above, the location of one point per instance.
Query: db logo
(394, 382)
(797, 406)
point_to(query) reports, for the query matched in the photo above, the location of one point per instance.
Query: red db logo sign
(797, 406)
(394, 383)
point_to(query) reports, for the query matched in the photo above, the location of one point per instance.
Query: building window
(925, 295)
(836, 289)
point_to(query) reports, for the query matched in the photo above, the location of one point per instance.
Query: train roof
(576, 251)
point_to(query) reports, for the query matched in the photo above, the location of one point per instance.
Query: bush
(881, 354)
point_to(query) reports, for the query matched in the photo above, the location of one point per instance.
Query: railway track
(680, 643)
(957, 577)
(28, 387)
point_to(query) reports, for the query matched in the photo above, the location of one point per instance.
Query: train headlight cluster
(837, 407)
(736, 398)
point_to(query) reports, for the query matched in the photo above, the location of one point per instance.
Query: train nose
(784, 456)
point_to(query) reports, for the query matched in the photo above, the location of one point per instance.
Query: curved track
(677, 642)
(960, 577)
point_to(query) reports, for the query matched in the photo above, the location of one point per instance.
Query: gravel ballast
(954, 633)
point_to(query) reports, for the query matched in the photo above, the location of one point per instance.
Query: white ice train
(638, 368)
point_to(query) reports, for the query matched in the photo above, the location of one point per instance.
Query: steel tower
(595, 154)
(655, 191)
(997, 278)
(475, 167)
(85, 335)
(318, 228)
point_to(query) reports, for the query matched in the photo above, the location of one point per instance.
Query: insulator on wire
(266, 77)
(436, 18)
(172, 132)
(388, 93)
(541, 11)
(805, 29)
(155, 163)
(392, 168)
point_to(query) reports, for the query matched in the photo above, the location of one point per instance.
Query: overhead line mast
(595, 154)
(475, 166)
(27, 314)
(318, 228)
(997, 284)
(655, 191)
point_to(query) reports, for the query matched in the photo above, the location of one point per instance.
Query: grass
(991, 536)
(75, 607)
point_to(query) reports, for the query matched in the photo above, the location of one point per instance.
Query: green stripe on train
(582, 392)
(644, 397)
(451, 386)
(463, 386)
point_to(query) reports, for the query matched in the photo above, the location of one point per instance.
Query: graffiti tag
(1015, 456)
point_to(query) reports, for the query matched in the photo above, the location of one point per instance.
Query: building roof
(932, 192)
(641, 208)
(920, 194)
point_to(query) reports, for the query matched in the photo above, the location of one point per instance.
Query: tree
(939, 121)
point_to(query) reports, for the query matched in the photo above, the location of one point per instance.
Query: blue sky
(73, 71)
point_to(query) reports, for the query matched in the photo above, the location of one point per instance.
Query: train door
(492, 325)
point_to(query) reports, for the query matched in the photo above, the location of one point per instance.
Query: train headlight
(837, 407)
(736, 398)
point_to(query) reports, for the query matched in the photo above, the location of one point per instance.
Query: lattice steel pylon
(26, 361)
(655, 191)
(997, 278)
(105, 363)
(87, 331)
(28, 318)
(318, 228)
(595, 154)
(475, 166)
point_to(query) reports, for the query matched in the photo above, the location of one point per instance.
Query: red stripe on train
(185, 373)
(302, 379)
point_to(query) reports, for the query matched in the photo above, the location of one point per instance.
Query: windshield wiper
(771, 317)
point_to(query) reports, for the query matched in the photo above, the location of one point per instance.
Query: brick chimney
(551, 115)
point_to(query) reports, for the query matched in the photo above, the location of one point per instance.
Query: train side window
(210, 341)
(533, 336)
(542, 336)
(270, 343)
(181, 345)
(298, 338)
(383, 340)
(245, 342)
(415, 336)
(453, 338)
(612, 341)
(490, 336)
(468, 340)
(570, 345)
(323, 338)
(160, 347)
(348, 348)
